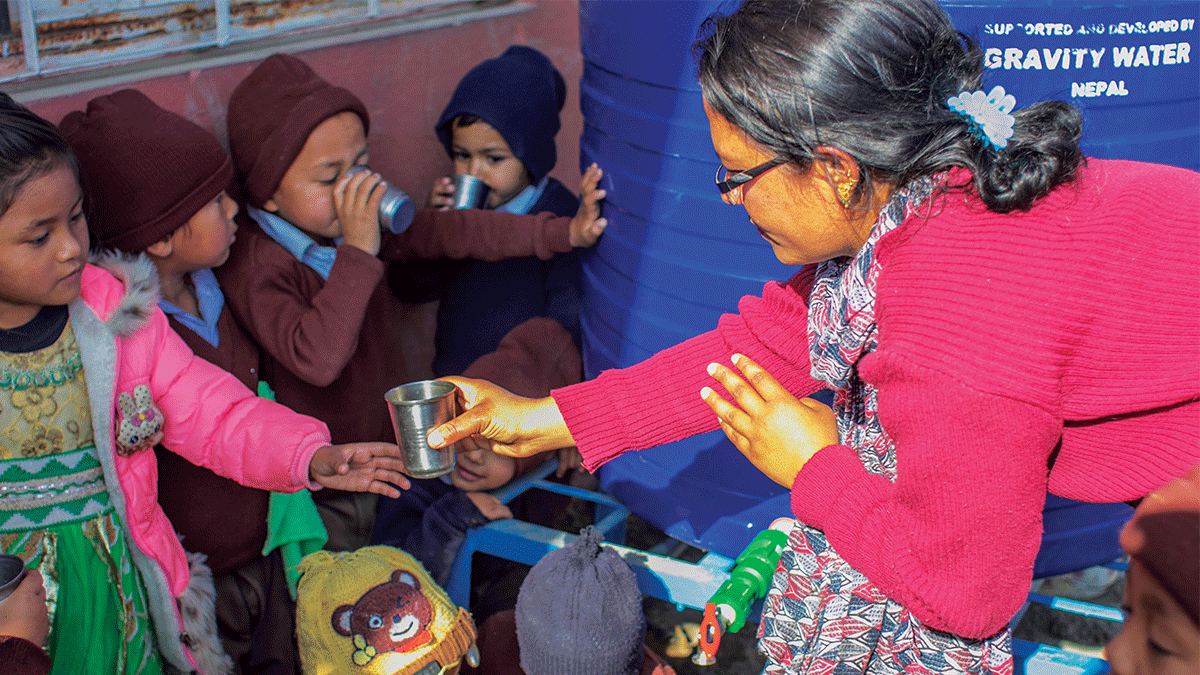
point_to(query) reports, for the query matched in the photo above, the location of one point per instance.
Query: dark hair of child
(29, 146)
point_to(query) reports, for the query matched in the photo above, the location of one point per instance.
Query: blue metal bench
(1076, 536)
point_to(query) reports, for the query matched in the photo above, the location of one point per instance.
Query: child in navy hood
(500, 126)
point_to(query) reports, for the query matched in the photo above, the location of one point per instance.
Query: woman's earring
(845, 190)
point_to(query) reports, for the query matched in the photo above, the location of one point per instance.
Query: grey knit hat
(579, 612)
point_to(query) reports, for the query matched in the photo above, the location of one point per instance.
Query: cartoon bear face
(391, 617)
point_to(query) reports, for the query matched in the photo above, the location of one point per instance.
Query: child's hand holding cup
(23, 611)
(396, 210)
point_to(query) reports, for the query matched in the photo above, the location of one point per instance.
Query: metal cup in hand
(12, 571)
(469, 192)
(397, 209)
(417, 408)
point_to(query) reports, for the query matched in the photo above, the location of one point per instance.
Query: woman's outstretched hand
(587, 225)
(776, 431)
(360, 467)
(513, 425)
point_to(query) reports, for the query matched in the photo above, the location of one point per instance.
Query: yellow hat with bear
(376, 611)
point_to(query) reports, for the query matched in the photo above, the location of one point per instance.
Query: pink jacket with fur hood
(208, 417)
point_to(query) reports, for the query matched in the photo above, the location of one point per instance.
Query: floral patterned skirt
(822, 616)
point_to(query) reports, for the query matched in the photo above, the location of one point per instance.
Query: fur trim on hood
(142, 292)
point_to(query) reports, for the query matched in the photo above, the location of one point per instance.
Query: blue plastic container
(675, 257)
(1131, 67)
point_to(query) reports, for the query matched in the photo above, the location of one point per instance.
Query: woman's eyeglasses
(727, 182)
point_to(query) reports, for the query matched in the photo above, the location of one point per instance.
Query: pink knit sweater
(1000, 337)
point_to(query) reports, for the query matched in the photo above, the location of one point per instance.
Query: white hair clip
(988, 114)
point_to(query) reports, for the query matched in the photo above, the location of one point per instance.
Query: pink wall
(405, 81)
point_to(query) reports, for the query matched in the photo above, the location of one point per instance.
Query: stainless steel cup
(397, 209)
(12, 571)
(417, 408)
(470, 192)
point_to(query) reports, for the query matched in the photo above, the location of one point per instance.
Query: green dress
(55, 513)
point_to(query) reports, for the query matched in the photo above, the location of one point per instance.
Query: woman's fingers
(468, 423)
(727, 413)
(743, 394)
(739, 441)
(763, 382)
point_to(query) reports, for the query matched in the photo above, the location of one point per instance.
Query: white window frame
(227, 45)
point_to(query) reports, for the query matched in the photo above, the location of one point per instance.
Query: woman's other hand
(441, 196)
(23, 613)
(360, 467)
(776, 431)
(514, 425)
(587, 225)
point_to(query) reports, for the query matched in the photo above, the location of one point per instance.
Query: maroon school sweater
(216, 516)
(332, 346)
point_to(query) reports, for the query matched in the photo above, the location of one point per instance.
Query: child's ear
(161, 248)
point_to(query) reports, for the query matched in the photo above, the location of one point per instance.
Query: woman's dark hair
(29, 147)
(871, 78)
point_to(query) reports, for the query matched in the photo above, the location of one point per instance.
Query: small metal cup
(470, 192)
(12, 571)
(397, 209)
(417, 408)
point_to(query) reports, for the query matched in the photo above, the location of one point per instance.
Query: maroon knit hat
(1164, 535)
(271, 114)
(145, 170)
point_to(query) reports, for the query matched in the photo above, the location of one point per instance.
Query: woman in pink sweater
(998, 317)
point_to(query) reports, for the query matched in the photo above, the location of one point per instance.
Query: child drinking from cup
(305, 276)
(499, 127)
(95, 378)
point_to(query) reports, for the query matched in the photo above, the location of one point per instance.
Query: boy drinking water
(499, 127)
(305, 276)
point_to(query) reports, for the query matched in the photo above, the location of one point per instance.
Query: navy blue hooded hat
(520, 94)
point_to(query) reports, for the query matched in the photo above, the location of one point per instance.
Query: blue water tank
(675, 257)
(1131, 67)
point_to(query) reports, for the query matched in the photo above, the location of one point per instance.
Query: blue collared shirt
(303, 247)
(211, 301)
(525, 199)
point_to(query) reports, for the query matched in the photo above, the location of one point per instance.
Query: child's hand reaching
(490, 506)
(569, 459)
(587, 225)
(776, 431)
(23, 614)
(356, 200)
(360, 467)
(441, 196)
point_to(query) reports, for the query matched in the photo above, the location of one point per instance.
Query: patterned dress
(55, 514)
(821, 615)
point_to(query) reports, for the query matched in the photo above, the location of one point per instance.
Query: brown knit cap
(1164, 535)
(145, 170)
(271, 114)
(535, 357)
